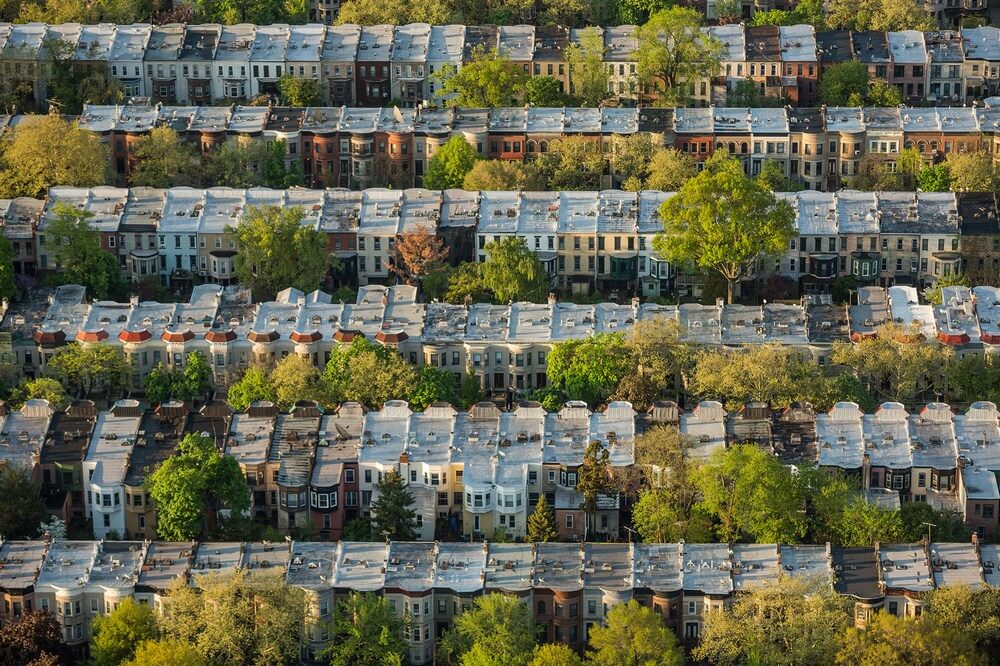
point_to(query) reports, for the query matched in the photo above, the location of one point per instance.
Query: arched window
(934, 145)
(541, 608)
(922, 146)
(744, 147)
(543, 146)
(531, 146)
(732, 147)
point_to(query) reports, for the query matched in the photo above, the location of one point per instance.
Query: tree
(498, 175)
(366, 632)
(747, 93)
(212, 615)
(659, 355)
(24, 509)
(498, 630)
(396, 12)
(973, 377)
(416, 251)
(513, 272)
(74, 247)
(276, 250)
(545, 91)
(489, 79)
(33, 639)
(391, 512)
(630, 159)
(973, 172)
(842, 81)
(911, 640)
(46, 388)
(772, 373)
(193, 380)
(358, 529)
(251, 164)
(196, 477)
(166, 652)
(254, 385)
(669, 169)
(368, 373)
(752, 495)
(634, 635)
(863, 524)
(163, 160)
(8, 289)
(588, 76)
(674, 53)
(974, 613)
(47, 150)
(875, 174)
(935, 178)
(296, 91)
(466, 283)
(895, 364)
(723, 221)
(470, 391)
(433, 385)
(117, 634)
(590, 369)
(89, 367)
(594, 480)
(450, 164)
(555, 654)
(934, 295)
(772, 176)
(880, 93)
(542, 522)
(948, 524)
(295, 378)
(878, 15)
(158, 384)
(729, 11)
(573, 163)
(787, 621)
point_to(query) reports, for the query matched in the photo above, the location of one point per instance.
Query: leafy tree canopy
(513, 272)
(633, 634)
(117, 634)
(589, 369)
(24, 509)
(450, 164)
(489, 79)
(255, 384)
(367, 632)
(164, 160)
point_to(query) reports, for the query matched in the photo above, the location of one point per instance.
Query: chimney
(866, 472)
(552, 299)
(133, 300)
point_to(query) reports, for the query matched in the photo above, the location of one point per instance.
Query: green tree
(74, 247)
(466, 282)
(542, 522)
(545, 91)
(489, 79)
(936, 178)
(164, 160)
(47, 150)
(513, 272)
(196, 477)
(497, 631)
(366, 632)
(752, 495)
(367, 373)
(470, 391)
(973, 377)
(773, 177)
(391, 512)
(590, 369)
(787, 621)
(747, 93)
(725, 222)
(358, 529)
(396, 12)
(433, 385)
(595, 480)
(89, 367)
(255, 384)
(949, 526)
(450, 164)
(555, 654)
(251, 164)
(863, 524)
(213, 615)
(573, 163)
(159, 384)
(878, 15)
(588, 76)
(669, 170)
(674, 53)
(117, 634)
(634, 635)
(296, 91)
(973, 172)
(660, 357)
(975, 613)
(771, 373)
(842, 81)
(668, 509)
(934, 294)
(276, 250)
(166, 652)
(195, 380)
(889, 639)
(881, 93)
(24, 509)
(45, 388)
(295, 378)
(8, 289)
(502, 175)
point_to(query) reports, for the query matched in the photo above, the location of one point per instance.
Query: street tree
(572, 163)
(545, 91)
(882, 93)
(658, 517)
(74, 247)
(88, 368)
(415, 252)
(890, 639)
(785, 621)
(295, 378)
(276, 250)
(368, 373)
(973, 172)
(633, 635)
(594, 480)
(391, 512)
(590, 369)
(949, 526)
(366, 632)
(862, 524)
(669, 169)
(747, 93)
(513, 272)
(724, 221)
(35, 638)
(770, 373)
(301, 92)
(212, 615)
(588, 75)
(843, 81)
(973, 377)
(254, 385)
(497, 631)
(166, 652)
(773, 177)
(629, 158)
(555, 654)
(674, 53)
(192, 381)
(47, 150)
(470, 391)
(752, 495)
(465, 283)
(164, 160)
(433, 385)
(396, 12)
(489, 79)
(934, 178)
(24, 509)
(118, 634)
(502, 175)
(196, 478)
(542, 522)
(450, 164)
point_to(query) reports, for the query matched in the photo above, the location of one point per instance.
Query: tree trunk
(729, 291)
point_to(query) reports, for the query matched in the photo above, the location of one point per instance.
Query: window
(569, 521)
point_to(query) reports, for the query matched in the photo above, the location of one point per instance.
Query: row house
(569, 588)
